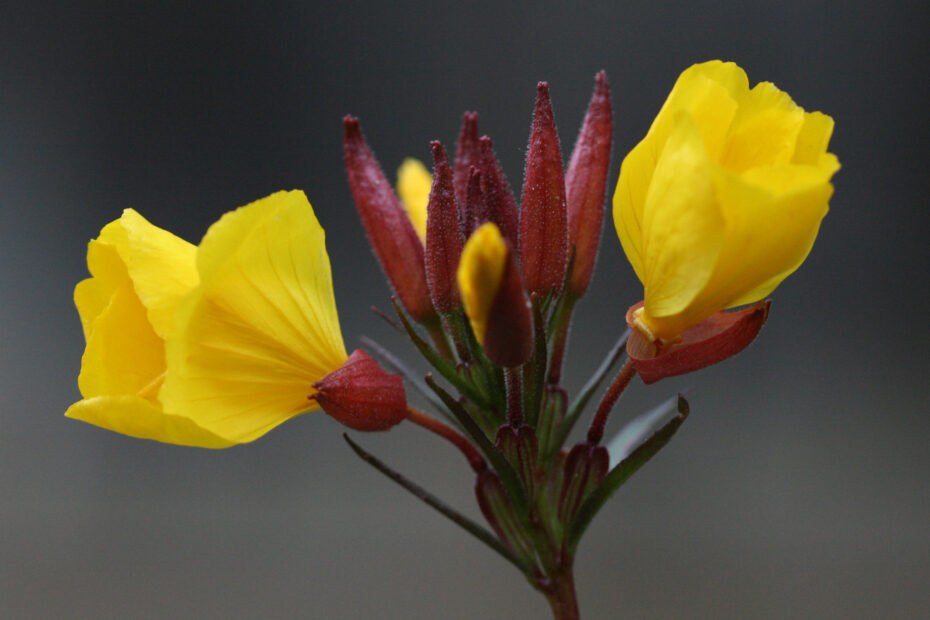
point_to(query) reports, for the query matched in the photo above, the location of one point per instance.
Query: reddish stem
(596, 432)
(447, 432)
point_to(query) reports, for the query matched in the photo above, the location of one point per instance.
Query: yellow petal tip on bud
(413, 186)
(480, 272)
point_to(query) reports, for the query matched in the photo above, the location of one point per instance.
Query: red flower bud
(444, 238)
(475, 211)
(389, 230)
(586, 184)
(362, 395)
(508, 340)
(467, 154)
(710, 341)
(543, 216)
(499, 201)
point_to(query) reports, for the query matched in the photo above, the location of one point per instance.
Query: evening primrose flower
(216, 345)
(722, 199)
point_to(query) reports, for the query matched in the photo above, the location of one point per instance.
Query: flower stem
(561, 595)
(447, 432)
(596, 431)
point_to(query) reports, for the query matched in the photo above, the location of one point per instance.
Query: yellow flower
(724, 196)
(413, 186)
(208, 346)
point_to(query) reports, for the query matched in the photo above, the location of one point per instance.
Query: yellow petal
(710, 92)
(682, 224)
(262, 326)
(123, 353)
(481, 269)
(161, 266)
(137, 417)
(765, 130)
(813, 138)
(92, 295)
(413, 186)
(771, 227)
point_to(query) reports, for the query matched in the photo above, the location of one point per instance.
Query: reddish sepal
(713, 340)
(500, 205)
(362, 395)
(508, 341)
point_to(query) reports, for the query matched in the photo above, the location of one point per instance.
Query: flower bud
(386, 223)
(543, 217)
(586, 184)
(362, 395)
(585, 467)
(713, 340)
(444, 239)
(475, 211)
(499, 201)
(467, 154)
(494, 298)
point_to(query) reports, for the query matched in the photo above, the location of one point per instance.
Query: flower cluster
(215, 345)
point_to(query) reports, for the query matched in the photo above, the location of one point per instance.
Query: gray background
(798, 489)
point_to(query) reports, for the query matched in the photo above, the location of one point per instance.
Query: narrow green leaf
(458, 518)
(621, 473)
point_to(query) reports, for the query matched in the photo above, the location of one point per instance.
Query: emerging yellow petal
(262, 326)
(481, 269)
(413, 186)
(723, 197)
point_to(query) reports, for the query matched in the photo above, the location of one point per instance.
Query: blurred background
(797, 489)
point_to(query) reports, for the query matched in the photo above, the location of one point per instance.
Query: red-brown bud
(444, 238)
(475, 211)
(389, 230)
(508, 341)
(467, 154)
(586, 184)
(543, 216)
(499, 201)
(713, 340)
(362, 395)
(585, 467)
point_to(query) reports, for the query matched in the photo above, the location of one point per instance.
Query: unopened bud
(494, 298)
(543, 216)
(467, 154)
(362, 395)
(586, 184)
(444, 239)
(389, 230)
(499, 201)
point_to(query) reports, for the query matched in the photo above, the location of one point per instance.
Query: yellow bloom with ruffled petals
(724, 196)
(207, 346)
